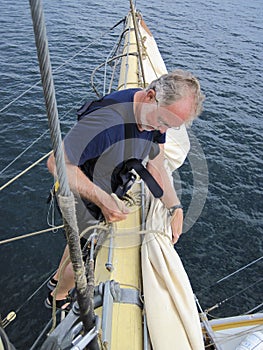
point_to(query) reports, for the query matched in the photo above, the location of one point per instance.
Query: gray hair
(173, 86)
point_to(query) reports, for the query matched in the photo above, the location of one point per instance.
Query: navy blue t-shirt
(104, 138)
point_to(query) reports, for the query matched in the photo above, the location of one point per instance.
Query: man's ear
(150, 95)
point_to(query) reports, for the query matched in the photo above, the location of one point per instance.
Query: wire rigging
(233, 273)
(220, 303)
(36, 233)
(36, 84)
(58, 68)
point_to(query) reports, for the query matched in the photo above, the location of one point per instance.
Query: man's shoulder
(105, 116)
(125, 95)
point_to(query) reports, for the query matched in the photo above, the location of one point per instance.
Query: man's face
(156, 117)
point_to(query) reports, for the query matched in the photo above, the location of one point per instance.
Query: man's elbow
(51, 164)
(155, 172)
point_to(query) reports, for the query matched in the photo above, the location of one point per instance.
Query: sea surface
(220, 41)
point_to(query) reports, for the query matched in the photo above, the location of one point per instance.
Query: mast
(136, 30)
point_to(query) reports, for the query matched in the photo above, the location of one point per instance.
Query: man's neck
(138, 99)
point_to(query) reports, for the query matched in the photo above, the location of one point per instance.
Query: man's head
(170, 101)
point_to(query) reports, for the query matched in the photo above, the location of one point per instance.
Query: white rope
(23, 152)
(36, 140)
(30, 234)
(25, 171)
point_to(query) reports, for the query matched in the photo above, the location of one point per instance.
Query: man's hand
(177, 224)
(113, 208)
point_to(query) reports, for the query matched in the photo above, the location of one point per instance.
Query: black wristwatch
(173, 209)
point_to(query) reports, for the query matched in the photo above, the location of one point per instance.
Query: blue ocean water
(219, 41)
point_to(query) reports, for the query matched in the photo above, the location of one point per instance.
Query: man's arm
(79, 183)
(169, 199)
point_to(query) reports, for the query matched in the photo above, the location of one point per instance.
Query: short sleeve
(89, 138)
(158, 137)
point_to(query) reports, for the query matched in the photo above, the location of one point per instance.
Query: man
(123, 126)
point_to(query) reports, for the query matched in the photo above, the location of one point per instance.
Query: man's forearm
(78, 182)
(158, 171)
(82, 186)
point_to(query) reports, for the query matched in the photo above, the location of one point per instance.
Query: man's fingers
(175, 238)
(122, 207)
